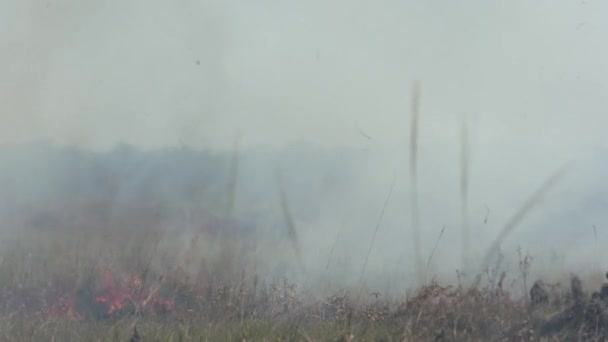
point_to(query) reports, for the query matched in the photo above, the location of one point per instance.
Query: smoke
(322, 89)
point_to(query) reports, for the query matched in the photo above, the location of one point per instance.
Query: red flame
(117, 295)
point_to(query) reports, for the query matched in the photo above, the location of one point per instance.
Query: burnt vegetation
(91, 266)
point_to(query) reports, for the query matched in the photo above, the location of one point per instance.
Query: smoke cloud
(322, 89)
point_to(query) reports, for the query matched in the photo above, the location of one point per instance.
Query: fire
(130, 293)
(113, 295)
(110, 293)
(114, 303)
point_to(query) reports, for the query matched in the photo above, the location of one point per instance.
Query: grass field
(99, 287)
(128, 279)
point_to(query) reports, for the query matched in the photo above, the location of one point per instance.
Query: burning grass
(75, 291)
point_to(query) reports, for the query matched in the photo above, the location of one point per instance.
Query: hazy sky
(531, 76)
(96, 73)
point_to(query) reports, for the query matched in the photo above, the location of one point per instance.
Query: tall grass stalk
(416, 240)
(464, 195)
(528, 205)
(378, 224)
(291, 227)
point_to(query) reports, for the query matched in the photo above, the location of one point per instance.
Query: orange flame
(118, 295)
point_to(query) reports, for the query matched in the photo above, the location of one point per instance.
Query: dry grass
(415, 223)
(94, 287)
(465, 160)
(120, 284)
